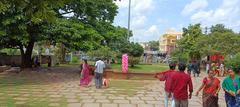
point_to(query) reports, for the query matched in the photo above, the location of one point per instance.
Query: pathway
(59, 88)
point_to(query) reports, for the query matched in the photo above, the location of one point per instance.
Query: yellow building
(167, 42)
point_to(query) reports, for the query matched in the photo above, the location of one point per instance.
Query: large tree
(24, 22)
(154, 45)
(21, 22)
(189, 42)
(220, 39)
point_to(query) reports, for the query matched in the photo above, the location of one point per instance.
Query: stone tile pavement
(67, 93)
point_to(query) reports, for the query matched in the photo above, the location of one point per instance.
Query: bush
(75, 59)
(133, 61)
(177, 55)
(234, 62)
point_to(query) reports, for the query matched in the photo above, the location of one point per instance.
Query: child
(105, 81)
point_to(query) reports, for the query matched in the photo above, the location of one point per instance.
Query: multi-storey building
(167, 42)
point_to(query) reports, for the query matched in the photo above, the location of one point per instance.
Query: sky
(151, 18)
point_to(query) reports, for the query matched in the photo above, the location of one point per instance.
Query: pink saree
(85, 77)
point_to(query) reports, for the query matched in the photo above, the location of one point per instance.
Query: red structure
(217, 57)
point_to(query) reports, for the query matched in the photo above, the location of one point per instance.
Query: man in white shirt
(99, 73)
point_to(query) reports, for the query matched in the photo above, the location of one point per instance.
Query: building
(167, 42)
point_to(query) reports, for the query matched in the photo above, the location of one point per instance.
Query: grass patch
(125, 87)
(143, 68)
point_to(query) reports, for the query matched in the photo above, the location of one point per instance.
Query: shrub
(234, 62)
(133, 61)
(75, 59)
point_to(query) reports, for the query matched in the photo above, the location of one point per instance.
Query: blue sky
(151, 18)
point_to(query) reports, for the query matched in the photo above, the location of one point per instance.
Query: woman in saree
(231, 86)
(85, 76)
(211, 87)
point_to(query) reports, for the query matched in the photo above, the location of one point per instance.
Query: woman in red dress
(211, 87)
(85, 76)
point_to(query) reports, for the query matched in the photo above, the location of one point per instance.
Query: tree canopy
(78, 24)
(154, 45)
(197, 45)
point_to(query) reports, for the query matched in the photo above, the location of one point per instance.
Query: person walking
(85, 76)
(207, 67)
(180, 84)
(222, 68)
(189, 68)
(195, 68)
(211, 87)
(166, 76)
(99, 69)
(231, 87)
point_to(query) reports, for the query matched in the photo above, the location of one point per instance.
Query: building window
(173, 41)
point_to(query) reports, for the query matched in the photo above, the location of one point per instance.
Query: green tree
(21, 22)
(24, 22)
(103, 52)
(189, 42)
(220, 39)
(234, 62)
(219, 28)
(154, 45)
(134, 51)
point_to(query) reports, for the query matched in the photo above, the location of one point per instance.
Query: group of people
(179, 88)
(193, 68)
(99, 75)
(219, 68)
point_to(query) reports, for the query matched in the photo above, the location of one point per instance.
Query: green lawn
(143, 68)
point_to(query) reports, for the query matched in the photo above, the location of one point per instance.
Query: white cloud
(142, 35)
(194, 6)
(139, 18)
(138, 21)
(153, 29)
(122, 3)
(227, 13)
(142, 6)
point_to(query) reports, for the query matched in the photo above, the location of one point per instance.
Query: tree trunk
(27, 55)
(63, 54)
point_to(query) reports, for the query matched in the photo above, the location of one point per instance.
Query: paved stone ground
(58, 87)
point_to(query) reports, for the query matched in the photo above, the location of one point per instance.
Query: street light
(129, 17)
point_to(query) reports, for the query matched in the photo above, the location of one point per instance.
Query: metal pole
(129, 18)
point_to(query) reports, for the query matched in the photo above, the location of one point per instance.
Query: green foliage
(73, 34)
(133, 61)
(24, 22)
(220, 28)
(225, 42)
(75, 59)
(189, 42)
(10, 51)
(234, 62)
(220, 39)
(154, 45)
(132, 49)
(178, 55)
(91, 11)
(103, 52)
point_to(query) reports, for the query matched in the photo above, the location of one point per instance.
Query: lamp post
(129, 18)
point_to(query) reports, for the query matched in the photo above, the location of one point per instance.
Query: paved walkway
(60, 89)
